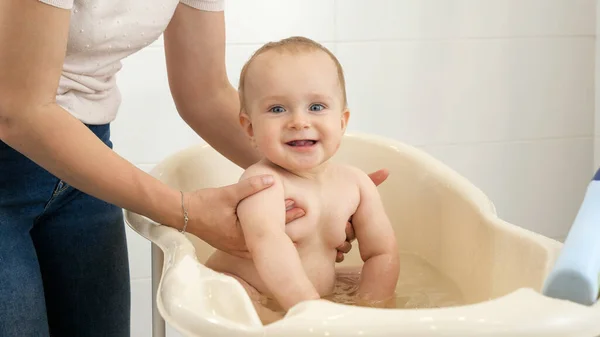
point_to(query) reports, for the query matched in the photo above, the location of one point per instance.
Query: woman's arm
(33, 38)
(195, 54)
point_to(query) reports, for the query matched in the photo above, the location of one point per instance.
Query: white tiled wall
(500, 90)
(597, 110)
(597, 150)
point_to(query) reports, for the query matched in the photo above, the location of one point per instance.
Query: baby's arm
(262, 217)
(377, 244)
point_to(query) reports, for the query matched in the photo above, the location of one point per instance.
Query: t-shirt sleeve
(65, 4)
(205, 5)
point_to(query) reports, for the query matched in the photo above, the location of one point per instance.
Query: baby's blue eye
(277, 109)
(317, 107)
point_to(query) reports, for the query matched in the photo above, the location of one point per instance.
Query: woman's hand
(212, 214)
(293, 213)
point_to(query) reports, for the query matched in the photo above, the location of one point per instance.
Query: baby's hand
(388, 303)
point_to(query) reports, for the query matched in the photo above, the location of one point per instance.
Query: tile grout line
(509, 141)
(337, 41)
(468, 143)
(430, 39)
(335, 31)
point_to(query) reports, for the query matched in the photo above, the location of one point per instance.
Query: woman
(63, 253)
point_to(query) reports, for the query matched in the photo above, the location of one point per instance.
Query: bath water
(420, 285)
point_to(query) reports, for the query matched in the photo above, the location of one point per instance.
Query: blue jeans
(63, 255)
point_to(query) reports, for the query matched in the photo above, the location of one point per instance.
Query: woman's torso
(102, 33)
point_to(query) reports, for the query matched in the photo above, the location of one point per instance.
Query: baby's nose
(299, 121)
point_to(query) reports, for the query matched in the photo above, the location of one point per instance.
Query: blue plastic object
(575, 274)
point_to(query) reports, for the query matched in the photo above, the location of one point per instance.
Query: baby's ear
(345, 117)
(246, 123)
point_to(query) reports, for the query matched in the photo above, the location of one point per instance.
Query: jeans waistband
(101, 131)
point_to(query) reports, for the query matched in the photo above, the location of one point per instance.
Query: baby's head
(293, 103)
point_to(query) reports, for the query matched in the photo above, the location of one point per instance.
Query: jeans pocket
(61, 186)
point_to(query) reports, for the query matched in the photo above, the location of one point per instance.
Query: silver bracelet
(185, 214)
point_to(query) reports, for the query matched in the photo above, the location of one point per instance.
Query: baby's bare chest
(328, 208)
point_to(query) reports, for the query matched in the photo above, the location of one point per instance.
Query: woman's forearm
(65, 147)
(203, 95)
(33, 41)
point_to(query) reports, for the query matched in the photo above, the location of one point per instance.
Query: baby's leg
(259, 300)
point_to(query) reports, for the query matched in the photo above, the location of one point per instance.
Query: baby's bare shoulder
(260, 168)
(352, 172)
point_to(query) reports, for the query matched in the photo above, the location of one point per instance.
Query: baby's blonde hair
(292, 44)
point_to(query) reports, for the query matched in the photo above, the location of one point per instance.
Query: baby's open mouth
(302, 142)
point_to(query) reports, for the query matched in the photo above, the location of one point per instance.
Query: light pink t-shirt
(102, 33)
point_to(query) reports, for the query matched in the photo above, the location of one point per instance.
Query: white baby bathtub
(437, 214)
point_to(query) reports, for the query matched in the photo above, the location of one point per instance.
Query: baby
(294, 109)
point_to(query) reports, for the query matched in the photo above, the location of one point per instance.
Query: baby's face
(294, 108)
